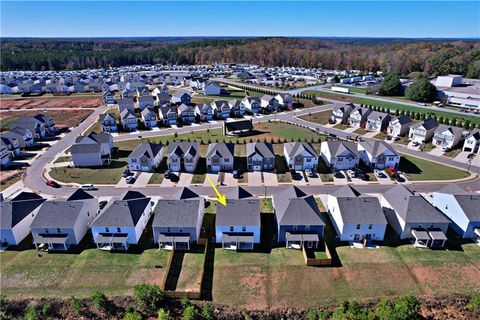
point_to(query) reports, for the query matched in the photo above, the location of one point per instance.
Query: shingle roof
(453, 189)
(470, 204)
(346, 191)
(125, 113)
(59, 213)
(148, 149)
(239, 193)
(177, 213)
(79, 194)
(456, 131)
(185, 193)
(412, 208)
(338, 147)
(102, 116)
(375, 147)
(86, 148)
(243, 212)
(224, 150)
(295, 148)
(125, 212)
(265, 150)
(183, 148)
(361, 210)
(239, 125)
(428, 124)
(15, 210)
(293, 207)
(475, 133)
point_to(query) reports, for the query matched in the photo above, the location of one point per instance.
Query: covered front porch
(112, 241)
(298, 240)
(51, 242)
(169, 241)
(429, 238)
(238, 241)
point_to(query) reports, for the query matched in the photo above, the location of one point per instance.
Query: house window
(107, 229)
(46, 231)
(134, 160)
(309, 159)
(358, 226)
(307, 228)
(180, 230)
(244, 229)
(231, 229)
(58, 230)
(295, 228)
(370, 226)
(227, 160)
(339, 159)
(119, 230)
(168, 229)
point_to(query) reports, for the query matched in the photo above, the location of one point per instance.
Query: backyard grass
(156, 178)
(190, 274)
(420, 169)
(30, 274)
(266, 205)
(318, 117)
(341, 126)
(392, 106)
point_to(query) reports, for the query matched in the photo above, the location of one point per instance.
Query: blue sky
(246, 18)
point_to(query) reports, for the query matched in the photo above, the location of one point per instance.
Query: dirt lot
(50, 102)
(62, 118)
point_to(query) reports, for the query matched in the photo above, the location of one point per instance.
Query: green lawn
(392, 105)
(4, 184)
(30, 274)
(420, 169)
(190, 274)
(360, 131)
(453, 153)
(156, 178)
(318, 117)
(198, 178)
(341, 126)
(63, 159)
(426, 147)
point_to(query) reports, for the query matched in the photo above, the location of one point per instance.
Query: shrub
(31, 313)
(474, 304)
(132, 316)
(75, 304)
(163, 314)
(46, 309)
(99, 300)
(3, 310)
(383, 310)
(207, 311)
(406, 308)
(184, 302)
(189, 313)
(148, 296)
(311, 315)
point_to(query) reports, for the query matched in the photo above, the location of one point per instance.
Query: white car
(378, 173)
(87, 187)
(351, 173)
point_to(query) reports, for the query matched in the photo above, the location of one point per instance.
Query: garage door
(257, 168)
(215, 168)
(298, 168)
(145, 168)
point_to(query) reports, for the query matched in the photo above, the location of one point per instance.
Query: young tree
(148, 296)
(189, 313)
(132, 316)
(207, 311)
(391, 86)
(406, 308)
(99, 300)
(163, 314)
(75, 304)
(421, 90)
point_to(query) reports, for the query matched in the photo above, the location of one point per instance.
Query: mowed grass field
(419, 169)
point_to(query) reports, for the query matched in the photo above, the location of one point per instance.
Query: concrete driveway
(301, 179)
(437, 152)
(411, 147)
(185, 179)
(270, 179)
(229, 180)
(462, 157)
(350, 129)
(315, 181)
(168, 182)
(213, 177)
(142, 179)
(254, 178)
(340, 180)
(385, 179)
(371, 134)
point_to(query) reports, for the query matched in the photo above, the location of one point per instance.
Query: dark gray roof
(59, 213)
(375, 147)
(404, 119)
(178, 213)
(293, 208)
(123, 213)
(295, 148)
(361, 210)
(15, 210)
(428, 124)
(265, 150)
(470, 204)
(102, 116)
(147, 111)
(102, 137)
(183, 148)
(243, 212)
(86, 148)
(345, 108)
(378, 115)
(238, 125)
(239, 193)
(224, 150)
(454, 189)
(338, 147)
(184, 193)
(475, 133)
(412, 208)
(148, 149)
(125, 113)
(165, 109)
(456, 131)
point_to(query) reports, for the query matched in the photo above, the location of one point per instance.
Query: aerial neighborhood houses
(252, 104)
(423, 131)
(108, 122)
(220, 157)
(399, 126)
(377, 121)
(472, 142)
(358, 117)
(340, 155)
(448, 137)
(300, 155)
(260, 156)
(378, 154)
(183, 156)
(92, 150)
(146, 157)
(341, 112)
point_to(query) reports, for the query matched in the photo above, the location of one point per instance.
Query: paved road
(322, 88)
(32, 177)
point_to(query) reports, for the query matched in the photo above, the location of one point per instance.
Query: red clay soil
(62, 118)
(78, 102)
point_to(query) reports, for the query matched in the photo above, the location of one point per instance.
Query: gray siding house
(108, 122)
(260, 156)
(220, 157)
(183, 156)
(145, 157)
(92, 150)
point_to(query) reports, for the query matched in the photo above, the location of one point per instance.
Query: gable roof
(345, 108)
(15, 210)
(238, 193)
(147, 149)
(183, 148)
(125, 113)
(184, 193)
(239, 212)
(125, 212)
(293, 207)
(470, 205)
(361, 210)
(177, 213)
(295, 148)
(456, 131)
(428, 124)
(375, 147)
(265, 150)
(338, 147)
(346, 191)
(103, 116)
(79, 194)
(412, 208)
(59, 213)
(238, 125)
(453, 189)
(475, 134)
(223, 150)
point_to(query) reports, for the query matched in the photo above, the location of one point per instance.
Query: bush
(46, 309)
(132, 316)
(207, 311)
(148, 296)
(75, 304)
(421, 90)
(311, 315)
(184, 302)
(163, 314)
(99, 300)
(31, 313)
(474, 304)
(383, 310)
(391, 86)
(3, 310)
(406, 308)
(189, 313)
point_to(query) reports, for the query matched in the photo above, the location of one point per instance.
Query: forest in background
(401, 56)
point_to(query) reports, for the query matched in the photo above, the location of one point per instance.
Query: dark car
(102, 204)
(168, 173)
(126, 173)
(52, 184)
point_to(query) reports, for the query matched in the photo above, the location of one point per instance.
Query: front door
(368, 236)
(357, 237)
(310, 244)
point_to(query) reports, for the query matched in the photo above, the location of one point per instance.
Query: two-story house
(179, 97)
(300, 155)
(237, 109)
(285, 100)
(378, 154)
(23, 136)
(108, 122)
(220, 157)
(472, 142)
(204, 112)
(129, 120)
(145, 157)
(11, 145)
(168, 115)
(108, 98)
(340, 155)
(126, 104)
(145, 102)
(252, 104)
(399, 126)
(162, 95)
(183, 156)
(211, 88)
(448, 136)
(149, 118)
(221, 109)
(269, 103)
(186, 114)
(260, 156)
(358, 117)
(341, 112)
(422, 131)
(377, 121)
(92, 150)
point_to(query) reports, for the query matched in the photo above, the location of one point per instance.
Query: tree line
(402, 57)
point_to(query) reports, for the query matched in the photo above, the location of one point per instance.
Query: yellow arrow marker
(220, 197)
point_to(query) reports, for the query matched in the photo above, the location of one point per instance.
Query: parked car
(389, 137)
(237, 174)
(391, 171)
(446, 149)
(395, 138)
(167, 174)
(351, 174)
(471, 156)
(87, 186)
(126, 173)
(52, 184)
(102, 204)
(378, 173)
(338, 174)
(415, 144)
(130, 179)
(309, 173)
